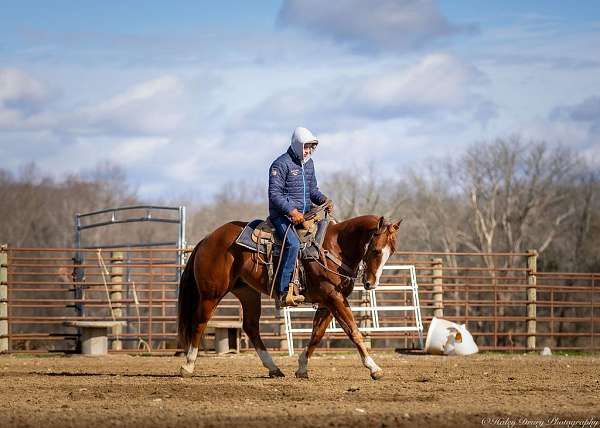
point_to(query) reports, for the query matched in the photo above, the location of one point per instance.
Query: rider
(292, 188)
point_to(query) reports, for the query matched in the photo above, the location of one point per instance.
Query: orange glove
(296, 216)
(329, 206)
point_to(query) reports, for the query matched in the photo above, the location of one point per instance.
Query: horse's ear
(395, 226)
(381, 223)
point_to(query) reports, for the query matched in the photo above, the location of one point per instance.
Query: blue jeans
(290, 252)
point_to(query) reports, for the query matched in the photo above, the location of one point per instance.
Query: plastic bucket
(448, 338)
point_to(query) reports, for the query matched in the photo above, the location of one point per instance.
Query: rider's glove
(296, 216)
(329, 206)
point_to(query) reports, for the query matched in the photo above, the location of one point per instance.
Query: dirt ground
(234, 390)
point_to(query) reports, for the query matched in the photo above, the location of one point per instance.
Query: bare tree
(235, 201)
(37, 210)
(517, 195)
(356, 194)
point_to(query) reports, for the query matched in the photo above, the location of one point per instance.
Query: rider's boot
(290, 299)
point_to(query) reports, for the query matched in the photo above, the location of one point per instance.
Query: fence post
(280, 317)
(593, 308)
(438, 292)
(3, 298)
(116, 295)
(365, 317)
(531, 298)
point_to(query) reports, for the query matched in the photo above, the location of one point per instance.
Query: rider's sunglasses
(311, 146)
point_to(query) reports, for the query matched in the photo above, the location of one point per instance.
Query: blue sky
(189, 95)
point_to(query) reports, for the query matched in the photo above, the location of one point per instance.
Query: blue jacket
(293, 183)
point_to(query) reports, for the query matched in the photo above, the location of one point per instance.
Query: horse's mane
(364, 221)
(369, 222)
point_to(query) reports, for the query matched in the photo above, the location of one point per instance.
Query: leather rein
(356, 271)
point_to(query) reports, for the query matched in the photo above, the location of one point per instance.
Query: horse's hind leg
(320, 322)
(250, 300)
(343, 314)
(205, 310)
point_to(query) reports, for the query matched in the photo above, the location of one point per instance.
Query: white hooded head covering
(300, 137)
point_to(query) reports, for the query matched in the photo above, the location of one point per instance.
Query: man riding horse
(292, 191)
(217, 266)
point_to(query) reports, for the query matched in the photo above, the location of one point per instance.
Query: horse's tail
(187, 302)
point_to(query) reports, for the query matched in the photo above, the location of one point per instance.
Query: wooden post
(593, 347)
(438, 292)
(116, 296)
(279, 316)
(531, 298)
(3, 298)
(365, 319)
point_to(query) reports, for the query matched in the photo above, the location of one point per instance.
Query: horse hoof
(276, 373)
(184, 372)
(302, 375)
(377, 375)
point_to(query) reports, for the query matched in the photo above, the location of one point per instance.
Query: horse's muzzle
(369, 286)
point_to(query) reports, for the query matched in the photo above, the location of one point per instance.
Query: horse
(217, 265)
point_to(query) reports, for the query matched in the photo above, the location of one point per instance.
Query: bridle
(356, 272)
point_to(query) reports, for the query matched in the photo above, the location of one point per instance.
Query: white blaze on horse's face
(381, 246)
(386, 252)
(372, 276)
(375, 260)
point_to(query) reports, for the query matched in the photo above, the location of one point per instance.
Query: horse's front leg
(320, 322)
(341, 311)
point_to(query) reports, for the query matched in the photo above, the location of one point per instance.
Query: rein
(326, 254)
(340, 263)
(313, 213)
(344, 266)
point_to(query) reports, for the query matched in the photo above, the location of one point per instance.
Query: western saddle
(311, 234)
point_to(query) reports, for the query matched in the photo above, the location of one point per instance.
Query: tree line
(505, 195)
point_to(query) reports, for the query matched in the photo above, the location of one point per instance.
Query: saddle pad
(245, 238)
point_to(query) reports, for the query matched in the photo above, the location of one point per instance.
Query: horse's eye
(377, 252)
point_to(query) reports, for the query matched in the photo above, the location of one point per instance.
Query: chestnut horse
(218, 265)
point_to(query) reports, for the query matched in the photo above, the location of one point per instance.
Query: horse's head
(378, 250)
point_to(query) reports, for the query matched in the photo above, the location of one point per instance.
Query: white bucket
(448, 338)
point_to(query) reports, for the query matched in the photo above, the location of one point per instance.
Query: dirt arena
(233, 390)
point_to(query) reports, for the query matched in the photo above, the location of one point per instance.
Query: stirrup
(291, 299)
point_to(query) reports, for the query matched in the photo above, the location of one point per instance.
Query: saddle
(261, 237)
(265, 232)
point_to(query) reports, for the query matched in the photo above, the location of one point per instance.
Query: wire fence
(501, 297)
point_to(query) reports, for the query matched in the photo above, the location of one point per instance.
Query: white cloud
(138, 149)
(142, 92)
(576, 126)
(586, 111)
(561, 132)
(437, 84)
(17, 86)
(372, 25)
(192, 111)
(9, 117)
(149, 107)
(21, 96)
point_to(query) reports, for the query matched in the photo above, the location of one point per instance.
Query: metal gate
(373, 311)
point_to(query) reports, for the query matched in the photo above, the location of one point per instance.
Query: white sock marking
(370, 364)
(191, 355)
